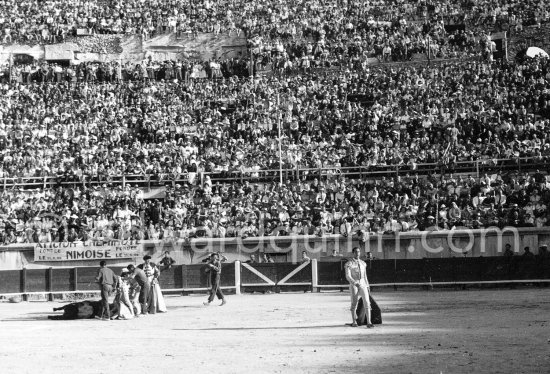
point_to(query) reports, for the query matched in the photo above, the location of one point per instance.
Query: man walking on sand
(215, 267)
(106, 279)
(356, 274)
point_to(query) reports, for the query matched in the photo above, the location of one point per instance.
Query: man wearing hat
(508, 252)
(167, 261)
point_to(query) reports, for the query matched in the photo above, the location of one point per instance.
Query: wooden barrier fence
(314, 275)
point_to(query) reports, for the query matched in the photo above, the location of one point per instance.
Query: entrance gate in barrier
(276, 275)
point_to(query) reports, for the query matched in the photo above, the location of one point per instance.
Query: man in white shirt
(356, 274)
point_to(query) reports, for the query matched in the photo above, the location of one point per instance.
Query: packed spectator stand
(285, 33)
(104, 125)
(336, 206)
(184, 119)
(53, 21)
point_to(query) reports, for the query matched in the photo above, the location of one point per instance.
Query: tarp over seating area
(58, 52)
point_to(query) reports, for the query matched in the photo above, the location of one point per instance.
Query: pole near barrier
(75, 279)
(237, 277)
(24, 284)
(314, 276)
(49, 284)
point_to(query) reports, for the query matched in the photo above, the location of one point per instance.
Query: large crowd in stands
(382, 41)
(146, 124)
(288, 33)
(396, 116)
(88, 122)
(116, 72)
(355, 208)
(504, 15)
(53, 21)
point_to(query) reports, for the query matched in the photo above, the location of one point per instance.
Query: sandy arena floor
(481, 331)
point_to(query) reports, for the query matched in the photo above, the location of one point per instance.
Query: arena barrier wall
(311, 275)
(401, 246)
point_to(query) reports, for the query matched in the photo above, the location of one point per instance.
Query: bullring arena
(247, 177)
(438, 331)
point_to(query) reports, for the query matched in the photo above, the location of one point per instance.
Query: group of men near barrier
(138, 292)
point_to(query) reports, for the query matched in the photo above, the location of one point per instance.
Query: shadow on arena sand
(477, 331)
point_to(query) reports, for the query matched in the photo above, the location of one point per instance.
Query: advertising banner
(93, 250)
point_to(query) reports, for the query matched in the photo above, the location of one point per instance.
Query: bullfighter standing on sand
(356, 274)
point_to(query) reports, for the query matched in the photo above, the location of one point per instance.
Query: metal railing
(475, 168)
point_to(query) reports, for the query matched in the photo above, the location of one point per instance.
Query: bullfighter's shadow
(40, 317)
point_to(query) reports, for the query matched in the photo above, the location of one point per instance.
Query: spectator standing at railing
(335, 253)
(167, 261)
(543, 253)
(527, 254)
(508, 252)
